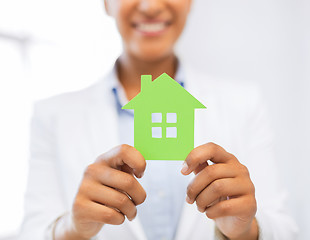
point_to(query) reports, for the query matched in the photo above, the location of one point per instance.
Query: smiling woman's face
(149, 28)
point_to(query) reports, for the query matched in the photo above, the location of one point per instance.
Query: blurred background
(52, 46)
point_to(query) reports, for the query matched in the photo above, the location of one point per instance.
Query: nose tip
(151, 8)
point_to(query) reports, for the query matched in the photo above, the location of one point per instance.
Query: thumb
(199, 156)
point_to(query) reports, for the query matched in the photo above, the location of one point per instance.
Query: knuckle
(232, 158)
(78, 209)
(213, 147)
(90, 170)
(109, 215)
(122, 201)
(217, 187)
(129, 182)
(210, 171)
(231, 155)
(252, 188)
(84, 188)
(244, 170)
(253, 205)
(190, 191)
(123, 149)
(225, 208)
(194, 156)
(78, 205)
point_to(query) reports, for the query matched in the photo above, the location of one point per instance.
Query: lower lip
(153, 34)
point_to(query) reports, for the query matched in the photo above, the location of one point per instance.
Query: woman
(71, 129)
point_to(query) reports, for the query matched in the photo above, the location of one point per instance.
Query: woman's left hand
(223, 190)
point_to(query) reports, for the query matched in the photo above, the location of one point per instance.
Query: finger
(206, 177)
(122, 156)
(119, 180)
(233, 207)
(98, 213)
(202, 154)
(112, 198)
(200, 167)
(231, 187)
(127, 169)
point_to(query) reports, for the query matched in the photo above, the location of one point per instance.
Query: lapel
(103, 118)
(104, 131)
(186, 222)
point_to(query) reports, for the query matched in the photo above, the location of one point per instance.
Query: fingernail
(184, 168)
(141, 175)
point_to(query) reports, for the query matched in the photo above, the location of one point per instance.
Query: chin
(154, 54)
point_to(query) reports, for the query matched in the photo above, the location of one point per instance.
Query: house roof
(163, 92)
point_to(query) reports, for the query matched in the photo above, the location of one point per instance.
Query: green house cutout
(164, 114)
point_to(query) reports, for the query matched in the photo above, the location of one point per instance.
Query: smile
(151, 28)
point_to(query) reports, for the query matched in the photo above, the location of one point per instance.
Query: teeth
(151, 27)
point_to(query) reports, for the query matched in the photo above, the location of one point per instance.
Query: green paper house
(164, 114)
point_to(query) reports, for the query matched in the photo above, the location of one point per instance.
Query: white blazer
(70, 130)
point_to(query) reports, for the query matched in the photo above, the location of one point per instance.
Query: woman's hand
(108, 191)
(224, 191)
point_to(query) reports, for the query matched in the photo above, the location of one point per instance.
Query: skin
(223, 191)
(109, 191)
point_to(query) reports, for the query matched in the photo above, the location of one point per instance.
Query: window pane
(157, 117)
(156, 132)
(171, 117)
(171, 132)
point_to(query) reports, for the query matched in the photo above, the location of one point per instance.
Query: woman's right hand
(109, 191)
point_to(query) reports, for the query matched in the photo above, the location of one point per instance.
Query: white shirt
(164, 184)
(70, 130)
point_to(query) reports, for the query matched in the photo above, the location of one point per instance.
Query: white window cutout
(171, 117)
(157, 117)
(156, 132)
(171, 132)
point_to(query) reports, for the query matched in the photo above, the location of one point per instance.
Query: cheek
(181, 14)
(180, 10)
(123, 25)
(121, 10)
(179, 6)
